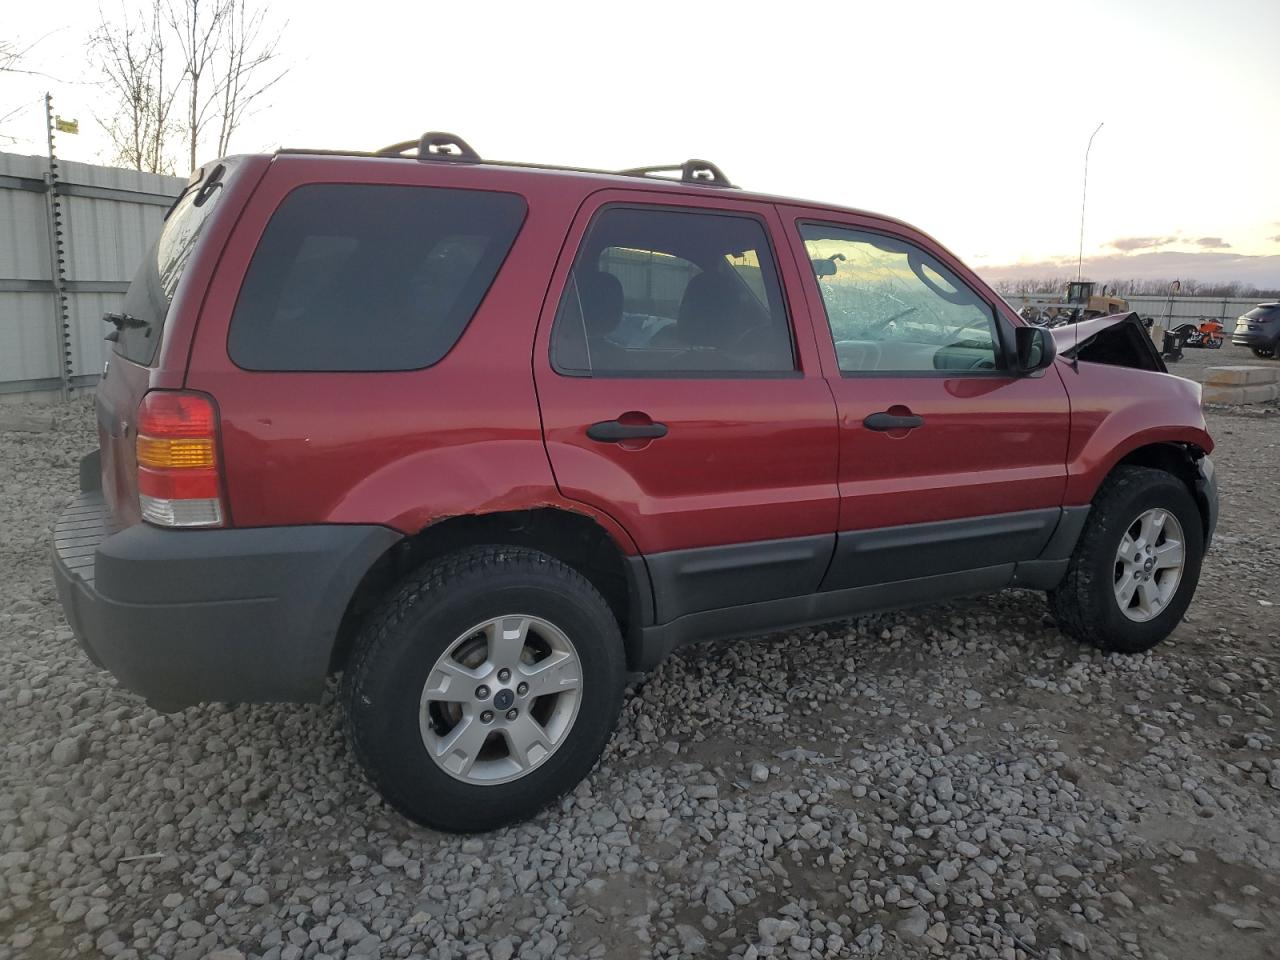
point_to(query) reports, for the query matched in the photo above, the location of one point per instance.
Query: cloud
(1213, 243)
(1127, 244)
(1262, 271)
(1276, 238)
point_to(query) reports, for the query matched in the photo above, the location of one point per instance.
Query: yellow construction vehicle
(1079, 303)
(1080, 296)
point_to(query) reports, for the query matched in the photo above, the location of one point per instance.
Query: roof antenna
(1084, 194)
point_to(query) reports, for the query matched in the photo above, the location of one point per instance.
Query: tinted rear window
(366, 277)
(151, 292)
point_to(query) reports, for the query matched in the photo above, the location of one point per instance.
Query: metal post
(1084, 194)
(57, 261)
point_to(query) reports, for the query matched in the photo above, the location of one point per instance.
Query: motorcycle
(1207, 335)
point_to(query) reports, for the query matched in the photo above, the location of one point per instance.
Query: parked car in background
(1259, 330)
(485, 438)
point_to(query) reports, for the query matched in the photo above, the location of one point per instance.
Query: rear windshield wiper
(123, 321)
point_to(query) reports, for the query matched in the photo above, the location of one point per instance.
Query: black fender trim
(1206, 494)
(192, 616)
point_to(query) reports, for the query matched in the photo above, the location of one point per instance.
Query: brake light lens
(179, 482)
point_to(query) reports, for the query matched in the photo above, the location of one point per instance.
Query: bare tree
(199, 26)
(247, 51)
(9, 55)
(181, 72)
(131, 55)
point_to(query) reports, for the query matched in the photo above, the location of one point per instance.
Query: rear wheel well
(572, 538)
(1178, 459)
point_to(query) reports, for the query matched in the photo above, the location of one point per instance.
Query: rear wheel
(1267, 353)
(1136, 566)
(485, 688)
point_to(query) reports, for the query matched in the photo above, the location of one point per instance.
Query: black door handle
(611, 431)
(888, 421)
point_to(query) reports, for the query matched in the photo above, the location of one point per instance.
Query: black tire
(400, 645)
(1084, 603)
(1267, 353)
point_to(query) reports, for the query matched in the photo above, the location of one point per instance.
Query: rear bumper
(185, 617)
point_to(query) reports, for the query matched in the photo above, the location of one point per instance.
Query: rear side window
(657, 292)
(369, 277)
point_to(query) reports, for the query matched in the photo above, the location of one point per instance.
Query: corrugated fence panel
(1191, 309)
(107, 238)
(24, 242)
(26, 337)
(1184, 309)
(110, 218)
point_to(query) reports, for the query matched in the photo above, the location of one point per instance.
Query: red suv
(486, 437)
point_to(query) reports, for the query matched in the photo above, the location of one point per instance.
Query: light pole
(1084, 193)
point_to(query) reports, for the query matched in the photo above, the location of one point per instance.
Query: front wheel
(486, 687)
(1136, 566)
(1267, 353)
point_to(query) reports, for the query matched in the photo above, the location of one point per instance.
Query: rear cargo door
(137, 331)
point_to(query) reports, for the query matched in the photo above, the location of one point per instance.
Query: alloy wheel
(501, 699)
(1148, 565)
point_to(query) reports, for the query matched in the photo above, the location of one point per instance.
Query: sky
(969, 120)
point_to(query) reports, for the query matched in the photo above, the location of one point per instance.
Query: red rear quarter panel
(1116, 410)
(400, 449)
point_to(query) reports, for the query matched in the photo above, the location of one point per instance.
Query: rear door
(949, 462)
(678, 396)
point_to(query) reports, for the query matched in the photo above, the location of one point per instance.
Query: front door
(678, 396)
(949, 461)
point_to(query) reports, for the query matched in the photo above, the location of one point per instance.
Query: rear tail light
(179, 483)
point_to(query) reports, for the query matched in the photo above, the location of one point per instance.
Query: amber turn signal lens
(160, 453)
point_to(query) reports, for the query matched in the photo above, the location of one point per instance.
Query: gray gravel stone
(1076, 940)
(955, 781)
(914, 923)
(67, 751)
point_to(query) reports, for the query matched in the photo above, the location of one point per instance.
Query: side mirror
(824, 268)
(1034, 349)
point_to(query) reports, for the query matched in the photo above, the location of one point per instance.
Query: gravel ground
(956, 781)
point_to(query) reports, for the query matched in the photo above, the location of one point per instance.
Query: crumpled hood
(1120, 340)
(1067, 336)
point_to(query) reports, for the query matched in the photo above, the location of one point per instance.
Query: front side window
(893, 308)
(659, 291)
(369, 277)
